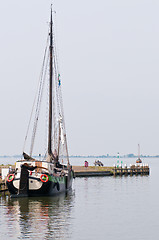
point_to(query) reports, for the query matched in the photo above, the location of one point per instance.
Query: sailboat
(139, 159)
(49, 176)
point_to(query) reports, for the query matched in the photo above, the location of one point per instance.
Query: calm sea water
(123, 208)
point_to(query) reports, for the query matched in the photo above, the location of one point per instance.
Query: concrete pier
(91, 171)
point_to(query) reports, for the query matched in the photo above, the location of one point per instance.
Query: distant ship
(50, 176)
(139, 159)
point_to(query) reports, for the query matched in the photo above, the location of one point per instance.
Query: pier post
(126, 170)
(121, 171)
(115, 170)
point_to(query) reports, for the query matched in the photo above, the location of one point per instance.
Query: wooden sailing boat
(47, 177)
(139, 159)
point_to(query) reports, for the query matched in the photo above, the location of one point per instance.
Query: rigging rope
(40, 94)
(40, 78)
(58, 112)
(59, 94)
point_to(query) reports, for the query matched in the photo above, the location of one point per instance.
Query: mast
(138, 151)
(50, 88)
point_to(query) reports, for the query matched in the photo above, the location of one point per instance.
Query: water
(123, 208)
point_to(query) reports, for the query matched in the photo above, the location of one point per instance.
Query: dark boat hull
(49, 188)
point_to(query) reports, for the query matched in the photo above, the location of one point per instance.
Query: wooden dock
(132, 170)
(94, 171)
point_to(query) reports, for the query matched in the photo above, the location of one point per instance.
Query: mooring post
(131, 170)
(126, 170)
(136, 169)
(120, 170)
(115, 170)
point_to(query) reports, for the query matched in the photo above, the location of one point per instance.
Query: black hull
(47, 189)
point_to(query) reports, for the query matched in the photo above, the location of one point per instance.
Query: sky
(109, 63)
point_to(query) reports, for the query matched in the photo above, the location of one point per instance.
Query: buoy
(10, 177)
(44, 178)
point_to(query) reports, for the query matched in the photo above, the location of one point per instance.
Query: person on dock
(86, 164)
(98, 163)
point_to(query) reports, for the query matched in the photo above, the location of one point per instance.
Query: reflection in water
(42, 218)
(103, 208)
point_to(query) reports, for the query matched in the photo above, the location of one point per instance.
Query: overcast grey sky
(109, 62)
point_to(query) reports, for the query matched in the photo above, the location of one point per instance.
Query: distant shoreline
(88, 156)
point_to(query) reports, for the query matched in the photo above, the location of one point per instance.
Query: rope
(41, 87)
(26, 136)
(58, 111)
(58, 90)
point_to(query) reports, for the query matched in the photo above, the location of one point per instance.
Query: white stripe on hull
(33, 184)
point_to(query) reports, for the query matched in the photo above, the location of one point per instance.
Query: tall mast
(138, 151)
(50, 88)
